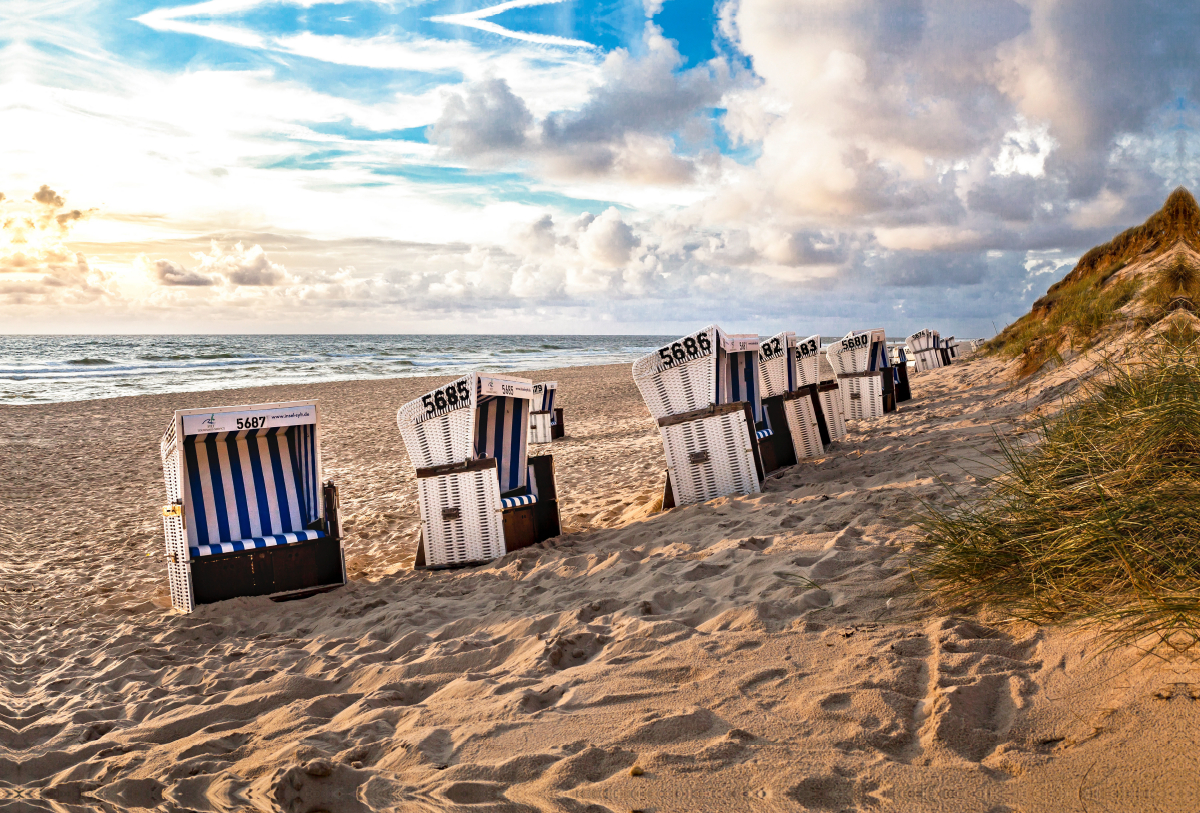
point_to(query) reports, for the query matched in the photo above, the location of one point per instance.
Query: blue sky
(575, 166)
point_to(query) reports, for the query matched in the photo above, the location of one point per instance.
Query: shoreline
(323, 383)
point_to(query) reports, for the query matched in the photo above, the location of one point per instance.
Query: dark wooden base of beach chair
(903, 390)
(548, 525)
(520, 527)
(888, 379)
(281, 572)
(557, 429)
(668, 500)
(782, 449)
(760, 466)
(814, 392)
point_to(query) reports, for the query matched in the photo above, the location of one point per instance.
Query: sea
(45, 369)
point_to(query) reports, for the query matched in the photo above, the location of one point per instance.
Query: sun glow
(34, 260)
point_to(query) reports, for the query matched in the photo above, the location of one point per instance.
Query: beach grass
(1096, 517)
(1073, 315)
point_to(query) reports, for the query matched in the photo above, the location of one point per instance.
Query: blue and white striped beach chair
(703, 392)
(248, 514)
(480, 493)
(545, 421)
(791, 407)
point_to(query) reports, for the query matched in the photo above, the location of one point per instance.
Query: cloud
(236, 266)
(48, 197)
(36, 268)
(625, 129)
(608, 240)
(166, 272)
(487, 119)
(886, 160)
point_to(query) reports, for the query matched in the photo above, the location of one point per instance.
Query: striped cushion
(513, 502)
(256, 542)
(742, 372)
(502, 432)
(763, 433)
(547, 403)
(250, 484)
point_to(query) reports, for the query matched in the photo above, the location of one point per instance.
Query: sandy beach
(770, 652)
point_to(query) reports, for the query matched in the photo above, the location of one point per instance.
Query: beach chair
(829, 393)
(695, 389)
(545, 422)
(248, 513)
(480, 494)
(864, 374)
(924, 347)
(899, 357)
(791, 407)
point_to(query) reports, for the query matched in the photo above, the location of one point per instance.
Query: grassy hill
(1108, 278)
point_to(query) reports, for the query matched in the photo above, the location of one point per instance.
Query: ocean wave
(197, 356)
(87, 362)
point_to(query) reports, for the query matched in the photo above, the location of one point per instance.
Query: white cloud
(608, 240)
(879, 145)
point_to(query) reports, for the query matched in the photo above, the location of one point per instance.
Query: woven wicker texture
(688, 383)
(775, 374)
(179, 572)
(441, 439)
(460, 517)
(851, 354)
(177, 474)
(540, 427)
(834, 412)
(806, 360)
(460, 512)
(802, 423)
(724, 458)
(862, 398)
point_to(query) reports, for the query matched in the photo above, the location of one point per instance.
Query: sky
(580, 166)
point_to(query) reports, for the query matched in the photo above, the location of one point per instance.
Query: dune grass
(1176, 286)
(1077, 307)
(1073, 315)
(1098, 519)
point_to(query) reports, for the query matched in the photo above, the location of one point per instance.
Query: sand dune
(759, 653)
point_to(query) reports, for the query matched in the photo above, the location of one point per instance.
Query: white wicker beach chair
(924, 347)
(829, 394)
(480, 493)
(791, 407)
(864, 374)
(696, 388)
(248, 514)
(545, 421)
